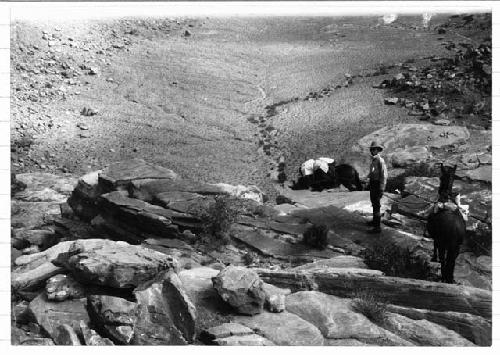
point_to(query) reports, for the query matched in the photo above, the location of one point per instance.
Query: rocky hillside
(151, 166)
(122, 262)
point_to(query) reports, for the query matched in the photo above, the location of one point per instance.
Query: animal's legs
(442, 259)
(435, 251)
(451, 256)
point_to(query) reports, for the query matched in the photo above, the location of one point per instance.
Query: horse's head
(446, 182)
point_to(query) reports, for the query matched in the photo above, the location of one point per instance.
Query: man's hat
(376, 145)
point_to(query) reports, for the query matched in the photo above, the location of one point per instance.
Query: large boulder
(336, 319)
(283, 328)
(114, 316)
(403, 158)
(115, 264)
(242, 288)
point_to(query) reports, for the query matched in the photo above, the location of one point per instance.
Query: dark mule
(446, 227)
(343, 174)
(348, 176)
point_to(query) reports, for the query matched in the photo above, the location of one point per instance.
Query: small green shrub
(217, 218)
(396, 261)
(316, 236)
(371, 305)
(249, 258)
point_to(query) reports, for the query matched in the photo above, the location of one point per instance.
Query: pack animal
(446, 226)
(343, 174)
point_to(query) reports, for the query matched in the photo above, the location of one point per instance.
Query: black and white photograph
(251, 174)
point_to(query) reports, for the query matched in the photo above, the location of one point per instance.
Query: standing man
(378, 180)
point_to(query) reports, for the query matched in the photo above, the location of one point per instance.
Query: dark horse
(343, 174)
(446, 227)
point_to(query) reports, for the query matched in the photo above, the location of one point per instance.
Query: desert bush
(280, 199)
(316, 236)
(396, 261)
(250, 258)
(217, 218)
(371, 305)
(479, 241)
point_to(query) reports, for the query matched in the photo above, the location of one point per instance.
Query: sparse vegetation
(396, 261)
(479, 241)
(217, 218)
(371, 305)
(316, 236)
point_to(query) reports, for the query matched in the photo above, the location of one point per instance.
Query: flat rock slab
(168, 243)
(149, 189)
(33, 215)
(414, 135)
(280, 227)
(120, 174)
(63, 184)
(283, 328)
(275, 247)
(50, 315)
(474, 328)
(405, 292)
(423, 332)
(354, 201)
(224, 330)
(244, 340)
(336, 319)
(483, 174)
(341, 261)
